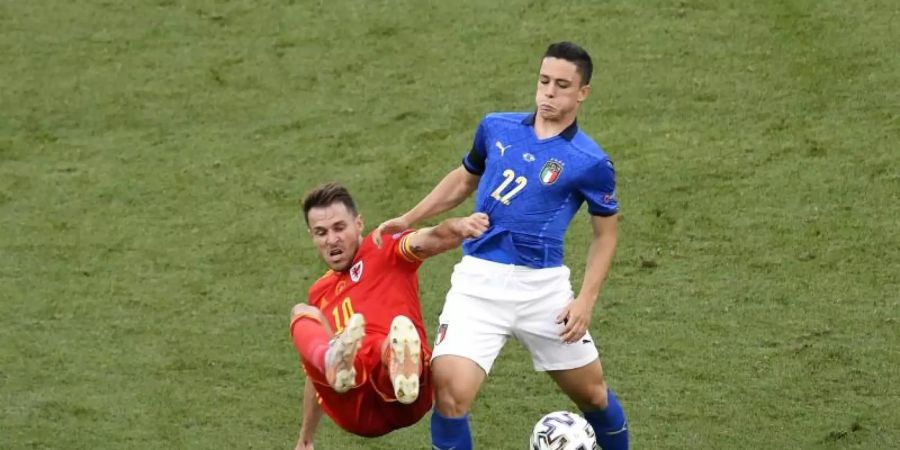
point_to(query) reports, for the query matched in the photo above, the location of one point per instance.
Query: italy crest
(550, 172)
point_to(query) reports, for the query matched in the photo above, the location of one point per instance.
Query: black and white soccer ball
(563, 430)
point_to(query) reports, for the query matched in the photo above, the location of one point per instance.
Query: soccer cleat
(339, 369)
(405, 361)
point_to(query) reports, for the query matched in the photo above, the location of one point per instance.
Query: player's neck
(545, 128)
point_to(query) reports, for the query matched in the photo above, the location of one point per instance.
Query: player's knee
(298, 309)
(456, 383)
(450, 403)
(452, 397)
(595, 398)
(304, 309)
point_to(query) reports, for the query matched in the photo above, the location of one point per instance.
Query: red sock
(311, 341)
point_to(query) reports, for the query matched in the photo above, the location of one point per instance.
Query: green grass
(152, 155)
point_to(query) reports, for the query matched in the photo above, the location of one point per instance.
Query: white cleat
(405, 359)
(339, 369)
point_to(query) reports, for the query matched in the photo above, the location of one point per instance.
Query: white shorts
(488, 302)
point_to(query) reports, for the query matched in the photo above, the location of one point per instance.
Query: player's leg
(471, 335)
(473, 330)
(587, 387)
(457, 381)
(340, 359)
(331, 356)
(575, 367)
(403, 355)
(311, 334)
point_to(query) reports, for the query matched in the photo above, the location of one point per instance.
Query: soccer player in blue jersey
(532, 172)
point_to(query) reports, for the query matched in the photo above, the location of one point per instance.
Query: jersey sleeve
(399, 251)
(475, 159)
(599, 189)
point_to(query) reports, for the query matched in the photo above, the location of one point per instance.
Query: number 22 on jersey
(509, 176)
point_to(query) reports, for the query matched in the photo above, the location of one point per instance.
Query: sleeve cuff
(470, 168)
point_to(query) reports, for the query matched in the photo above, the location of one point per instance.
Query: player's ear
(359, 222)
(584, 92)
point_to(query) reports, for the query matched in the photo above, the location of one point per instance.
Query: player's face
(337, 234)
(559, 89)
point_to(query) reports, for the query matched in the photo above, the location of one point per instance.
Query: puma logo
(502, 148)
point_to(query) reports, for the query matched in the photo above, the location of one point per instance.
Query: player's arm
(600, 256)
(446, 235)
(312, 414)
(599, 259)
(448, 194)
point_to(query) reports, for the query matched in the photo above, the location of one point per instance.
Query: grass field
(152, 154)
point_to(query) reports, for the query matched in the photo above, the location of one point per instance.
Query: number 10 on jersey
(510, 176)
(341, 314)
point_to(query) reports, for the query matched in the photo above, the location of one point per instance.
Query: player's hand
(473, 226)
(391, 226)
(577, 319)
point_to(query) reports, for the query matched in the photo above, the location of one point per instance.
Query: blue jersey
(531, 188)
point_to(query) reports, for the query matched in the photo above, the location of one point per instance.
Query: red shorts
(371, 409)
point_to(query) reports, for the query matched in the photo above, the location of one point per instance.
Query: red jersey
(380, 284)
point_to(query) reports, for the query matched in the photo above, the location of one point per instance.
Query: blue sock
(450, 432)
(609, 424)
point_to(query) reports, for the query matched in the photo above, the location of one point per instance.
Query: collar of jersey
(567, 134)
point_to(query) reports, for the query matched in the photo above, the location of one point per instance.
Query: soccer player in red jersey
(369, 374)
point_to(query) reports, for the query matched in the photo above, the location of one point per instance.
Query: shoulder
(395, 251)
(368, 245)
(590, 150)
(390, 244)
(328, 273)
(588, 147)
(593, 163)
(321, 284)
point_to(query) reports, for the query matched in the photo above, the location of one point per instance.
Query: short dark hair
(325, 195)
(575, 55)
